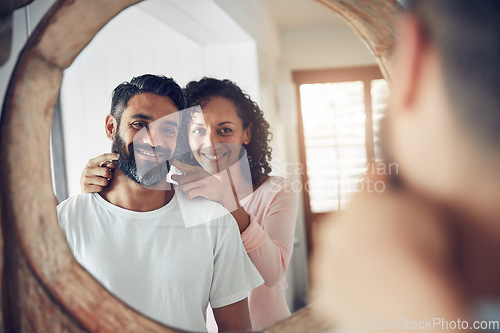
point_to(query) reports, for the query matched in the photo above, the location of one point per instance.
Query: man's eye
(169, 131)
(139, 125)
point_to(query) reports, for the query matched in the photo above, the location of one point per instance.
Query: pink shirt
(268, 241)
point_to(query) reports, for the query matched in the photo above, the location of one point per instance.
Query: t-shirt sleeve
(234, 273)
(62, 217)
(68, 212)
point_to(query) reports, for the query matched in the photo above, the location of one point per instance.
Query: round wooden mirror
(44, 288)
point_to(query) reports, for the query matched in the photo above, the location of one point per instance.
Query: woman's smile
(216, 135)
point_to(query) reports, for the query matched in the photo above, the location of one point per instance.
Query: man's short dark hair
(156, 84)
(466, 34)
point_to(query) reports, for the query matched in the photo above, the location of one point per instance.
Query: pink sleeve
(270, 247)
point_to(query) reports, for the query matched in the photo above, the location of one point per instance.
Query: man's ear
(247, 134)
(111, 126)
(410, 53)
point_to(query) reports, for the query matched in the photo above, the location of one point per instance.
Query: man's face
(146, 138)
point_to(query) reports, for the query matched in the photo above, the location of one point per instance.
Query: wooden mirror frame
(44, 288)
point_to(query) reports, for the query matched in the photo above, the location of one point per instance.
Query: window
(379, 93)
(340, 113)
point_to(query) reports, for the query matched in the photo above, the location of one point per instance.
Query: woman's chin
(212, 166)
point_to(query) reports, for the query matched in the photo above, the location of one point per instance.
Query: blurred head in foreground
(429, 249)
(444, 111)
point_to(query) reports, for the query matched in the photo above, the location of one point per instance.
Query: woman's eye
(199, 131)
(225, 130)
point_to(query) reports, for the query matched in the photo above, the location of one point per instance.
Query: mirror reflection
(132, 236)
(263, 51)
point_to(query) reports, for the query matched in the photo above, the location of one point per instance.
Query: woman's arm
(242, 218)
(269, 238)
(196, 182)
(267, 228)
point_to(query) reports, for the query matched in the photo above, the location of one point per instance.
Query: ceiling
(300, 14)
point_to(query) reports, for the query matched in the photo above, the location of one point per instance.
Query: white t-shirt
(156, 265)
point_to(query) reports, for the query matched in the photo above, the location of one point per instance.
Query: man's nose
(150, 136)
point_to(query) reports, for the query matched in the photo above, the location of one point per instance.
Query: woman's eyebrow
(225, 122)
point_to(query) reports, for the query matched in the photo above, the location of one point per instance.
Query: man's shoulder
(72, 210)
(76, 201)
(76, 207)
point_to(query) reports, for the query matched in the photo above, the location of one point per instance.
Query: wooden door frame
(331, 75)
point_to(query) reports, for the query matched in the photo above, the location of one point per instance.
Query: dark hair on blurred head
(156, 84)
(466, 34)
(258, 150)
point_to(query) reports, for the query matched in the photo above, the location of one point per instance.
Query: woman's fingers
(193, 177)
(210, 189)
(109, 165)
(98, 172)
(202, 188)
(91, 184)
(197, 192)
(204, 192)
(191, 173)
(102, 159)
(196, 182)
(186, 168)
(96, 180)
(191, 185)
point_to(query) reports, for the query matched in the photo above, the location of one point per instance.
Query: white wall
(254, 18)
(324, 47)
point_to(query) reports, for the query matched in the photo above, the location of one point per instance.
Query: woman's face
(216, 134)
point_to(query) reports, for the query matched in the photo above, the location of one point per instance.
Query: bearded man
(132, 237)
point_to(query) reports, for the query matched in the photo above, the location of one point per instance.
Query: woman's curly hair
(258, 150)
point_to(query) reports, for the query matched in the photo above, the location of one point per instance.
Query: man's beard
(148, 175)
